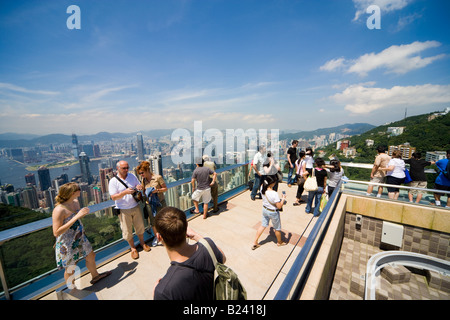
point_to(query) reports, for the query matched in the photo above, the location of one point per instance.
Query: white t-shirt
(309, 162)
(334, 177)
(258, 161)
(399, 168)
(269, 199)
(115, 186)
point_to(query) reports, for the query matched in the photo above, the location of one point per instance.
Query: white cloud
(385, 5)
(333, 65)
(395, 59)
(359, 99)
(14, 88)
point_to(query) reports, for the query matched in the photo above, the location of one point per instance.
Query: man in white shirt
(258, 161)
(130, 211)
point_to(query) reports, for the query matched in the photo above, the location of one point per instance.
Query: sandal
(255, 246)
(296, 204)
(100, 277)
(281, 244)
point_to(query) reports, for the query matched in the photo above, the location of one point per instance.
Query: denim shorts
(268, 215)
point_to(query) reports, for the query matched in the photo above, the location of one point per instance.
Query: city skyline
(230, 64)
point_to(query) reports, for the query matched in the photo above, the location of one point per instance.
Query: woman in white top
(302, 174)
(271, 204)
(395, 173)
(309, 160)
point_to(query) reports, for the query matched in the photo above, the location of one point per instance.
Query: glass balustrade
(27, 257)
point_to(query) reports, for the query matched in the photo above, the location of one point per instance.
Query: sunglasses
(123, 168)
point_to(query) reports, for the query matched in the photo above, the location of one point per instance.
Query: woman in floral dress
(71, 241)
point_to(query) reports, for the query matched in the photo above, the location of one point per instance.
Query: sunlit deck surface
(233, 229)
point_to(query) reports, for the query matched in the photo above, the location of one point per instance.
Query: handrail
(295, 279)
(397, 186)
(410, 259)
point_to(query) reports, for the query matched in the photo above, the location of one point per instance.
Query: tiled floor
(348, 283)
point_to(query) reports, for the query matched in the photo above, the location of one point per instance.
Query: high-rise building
(75, 147)
(156, 164)
(30, 197)
(140, 147)
(44, 178)
(30, 179)
(85, 170)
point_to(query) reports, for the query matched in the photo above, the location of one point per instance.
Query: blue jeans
(256, 186)
(311, 196)
(292, 178)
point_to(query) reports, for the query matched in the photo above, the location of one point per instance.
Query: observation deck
(325, 259)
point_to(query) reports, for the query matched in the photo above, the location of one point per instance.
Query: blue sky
(138, 65)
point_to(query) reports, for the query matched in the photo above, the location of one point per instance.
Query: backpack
(226, 285)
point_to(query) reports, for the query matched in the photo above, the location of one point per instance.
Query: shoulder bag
(311, 182)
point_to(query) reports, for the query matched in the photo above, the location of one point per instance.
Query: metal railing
(234, 179)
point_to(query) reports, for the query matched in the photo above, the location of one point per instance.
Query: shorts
(417, 184)
(441, 187)
(205, 195)
(378, 179)
(394, 180)
(268, 215)
(129, 218)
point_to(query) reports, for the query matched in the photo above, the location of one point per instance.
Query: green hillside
(420, 133)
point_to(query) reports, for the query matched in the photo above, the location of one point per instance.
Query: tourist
(309, 158)
(72, 244)
(258, 161)
(377, 175)
(271, 167)
(335, 173)
(442, 181)
(121, 188)
(302, 174)
(418, 177)
(191, 272)
(270, 211)
(154, 187)
(292, 157)
(215, 187)
(321, 176)
(203, 191)
(395, 174)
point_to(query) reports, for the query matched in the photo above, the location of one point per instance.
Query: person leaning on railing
(72, 244)
(442, 181)
(395, 173)
(418, 177)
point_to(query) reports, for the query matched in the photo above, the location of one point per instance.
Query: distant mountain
(16, 140)
(17, 136)
(349, 129)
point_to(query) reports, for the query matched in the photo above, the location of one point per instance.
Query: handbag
(311, 183)
(323, 202)
(279, 176)
(407, 177)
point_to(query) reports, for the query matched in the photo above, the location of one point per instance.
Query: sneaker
(154, 242)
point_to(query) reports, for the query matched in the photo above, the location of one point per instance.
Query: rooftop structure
(327, 256)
